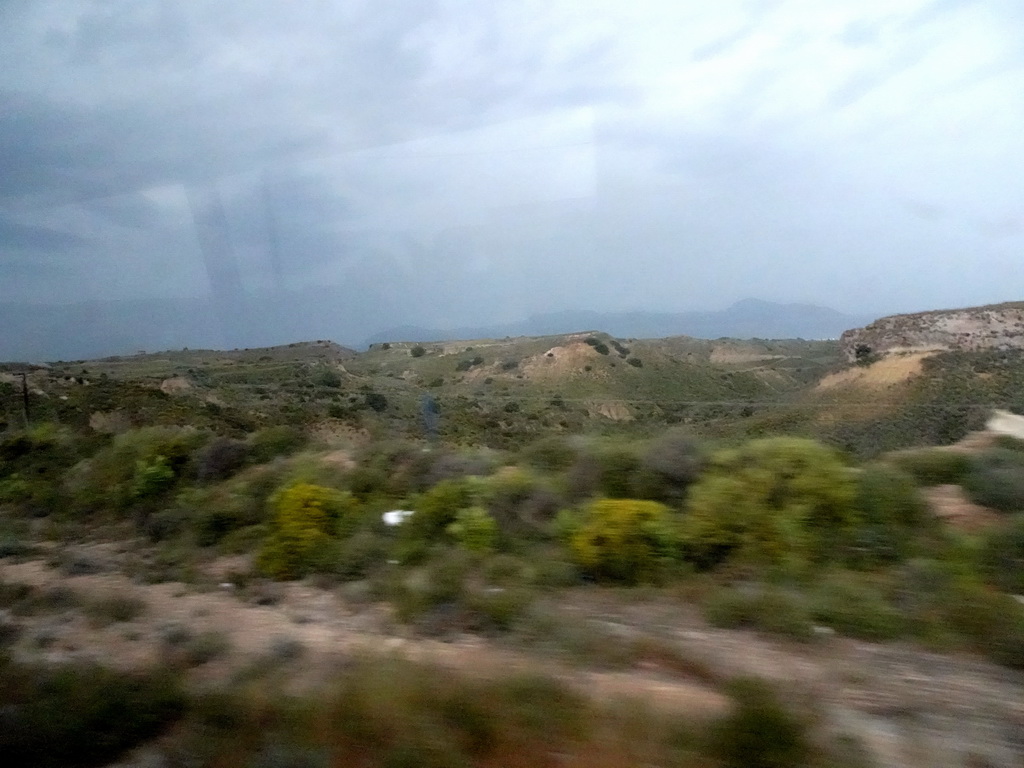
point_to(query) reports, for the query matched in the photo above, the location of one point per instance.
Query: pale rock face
(1006, 423)
(1000, 326)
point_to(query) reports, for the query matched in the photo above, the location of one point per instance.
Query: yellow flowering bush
(305, 517)
(625, 540)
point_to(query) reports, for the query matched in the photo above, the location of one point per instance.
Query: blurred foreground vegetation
(783, 535)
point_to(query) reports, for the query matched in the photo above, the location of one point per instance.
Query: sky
(449, 163)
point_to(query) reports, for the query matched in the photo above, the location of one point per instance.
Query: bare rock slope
(997, 326)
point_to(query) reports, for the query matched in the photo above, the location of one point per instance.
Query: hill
(995, 326)
(353, 317)
(506, 391)
(492, 391)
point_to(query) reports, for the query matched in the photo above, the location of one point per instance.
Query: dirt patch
(336, 432)
(559, 361)
(341, 459)
(175, 385)
(734, 356)
(907, 706)
(614, 411)
(883, 373)
(321, 623)
(110, 422)
(950, 504)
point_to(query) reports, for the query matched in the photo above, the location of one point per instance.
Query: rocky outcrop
(998, 326)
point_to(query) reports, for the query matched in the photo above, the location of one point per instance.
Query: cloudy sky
(450, 162)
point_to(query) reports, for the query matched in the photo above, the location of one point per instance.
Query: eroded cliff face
(999, 326)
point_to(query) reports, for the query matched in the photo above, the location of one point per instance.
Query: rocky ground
(901, 705)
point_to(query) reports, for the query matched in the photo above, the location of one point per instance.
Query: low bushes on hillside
(137, 469)
(270, 442)
(672, 463)
(933, 466)
(891, 511)
(996, 480)
(759, 732)
(1002, 556)
(79, 715)
(32, 463)
(770, 610)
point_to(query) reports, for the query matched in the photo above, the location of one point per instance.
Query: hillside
(489, 391)
(98, 328)
(227, 522)
(996, 326)
(504, 391)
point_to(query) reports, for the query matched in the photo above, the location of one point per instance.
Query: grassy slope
(503, 392)
(498, 391)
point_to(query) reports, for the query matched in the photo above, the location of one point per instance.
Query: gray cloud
(17, 236)
(433, 164)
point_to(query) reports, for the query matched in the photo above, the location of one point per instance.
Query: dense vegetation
(782, 534)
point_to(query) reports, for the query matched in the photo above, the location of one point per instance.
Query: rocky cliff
(997, 326)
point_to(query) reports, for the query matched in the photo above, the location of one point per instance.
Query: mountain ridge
(91, 329)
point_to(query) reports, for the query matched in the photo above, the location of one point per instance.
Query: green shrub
(328, 378)
(625, 540)
(367, 482)
(306, 516)
(498, 608)
(991, 622)
(1002, 556)
(213, 513)
(674, 461)
(152, 477)
(996, 480)
(359, 555)
(271, 442)
(439, 583)
(376, 402)
(890, 510)
(774, 502)
(437, 509)
(521, 503)
(769, 610)
(32, 463)
(550, 454)
(759, 732)
(933, 466)
(220, 458)
(618, 468)
(417, 351)
(853, 607)
(137, 469)
(728, 608)
(474, 529)
(205, 647)
(1009, 443)
(80, 715)
(115, 608)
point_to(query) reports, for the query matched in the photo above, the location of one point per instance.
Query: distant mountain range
(35, 333)
(746, 319)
